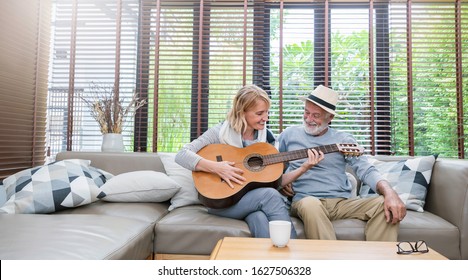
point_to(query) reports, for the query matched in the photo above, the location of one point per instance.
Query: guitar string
(263, 160)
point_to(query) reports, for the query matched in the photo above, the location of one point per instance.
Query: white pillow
(3, 196)
(187, 195)
(140, 186)
(353, 181)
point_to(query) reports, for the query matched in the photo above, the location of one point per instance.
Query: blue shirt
(328, 178)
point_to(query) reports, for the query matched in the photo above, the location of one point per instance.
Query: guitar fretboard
(298, 154)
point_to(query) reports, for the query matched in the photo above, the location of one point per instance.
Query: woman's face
(257, 116)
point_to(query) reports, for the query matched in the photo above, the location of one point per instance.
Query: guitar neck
(298, 154)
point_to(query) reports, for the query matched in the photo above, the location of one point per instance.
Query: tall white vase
(112, 142)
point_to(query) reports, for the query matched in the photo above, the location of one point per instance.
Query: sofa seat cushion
(61, 237)
(299, 227)
(349, 229)
(191, 230)
(439, 234)
(144, 211)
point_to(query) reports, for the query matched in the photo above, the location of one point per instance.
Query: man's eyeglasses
(406, 247)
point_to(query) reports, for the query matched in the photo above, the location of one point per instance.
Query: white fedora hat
(324, 97)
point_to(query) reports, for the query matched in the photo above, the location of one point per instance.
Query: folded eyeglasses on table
(407, 247)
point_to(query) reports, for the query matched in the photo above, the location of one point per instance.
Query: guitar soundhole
(254, 163)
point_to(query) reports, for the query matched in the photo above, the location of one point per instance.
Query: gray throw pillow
(409, 178)
(57, 186)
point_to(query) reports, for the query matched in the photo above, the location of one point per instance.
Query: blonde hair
(245, 99)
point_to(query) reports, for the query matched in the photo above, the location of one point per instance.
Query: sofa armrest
(448, 196)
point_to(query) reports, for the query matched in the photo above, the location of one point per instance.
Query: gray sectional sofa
(155, 230)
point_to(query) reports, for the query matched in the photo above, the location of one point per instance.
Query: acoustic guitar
(262, 165)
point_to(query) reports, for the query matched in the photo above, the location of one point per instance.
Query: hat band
(322, 102)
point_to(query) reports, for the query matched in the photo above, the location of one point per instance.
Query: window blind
(399, 67)
(199, 53)
(426, 92)
(94, 55)
(24, 53)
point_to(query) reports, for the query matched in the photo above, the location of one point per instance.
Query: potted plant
(110, 113)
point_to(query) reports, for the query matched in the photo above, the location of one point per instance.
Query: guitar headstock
(350, 149)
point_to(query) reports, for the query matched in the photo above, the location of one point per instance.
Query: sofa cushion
(49, 188)
(349, 229)
(192, 230)
(438, 233)
(81, 237)
(187, 195)
(410, 178)
(140, 186)
(145, 211)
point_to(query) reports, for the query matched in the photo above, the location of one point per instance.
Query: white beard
(314, 130)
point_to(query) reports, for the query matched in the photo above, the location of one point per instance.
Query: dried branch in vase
(108, 110)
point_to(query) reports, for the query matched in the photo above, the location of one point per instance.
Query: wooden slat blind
(400, 67)
(397, 64)
(24, 57)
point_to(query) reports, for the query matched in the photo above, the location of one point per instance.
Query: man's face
(316, 119)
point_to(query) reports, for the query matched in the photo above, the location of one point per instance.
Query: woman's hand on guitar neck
(224, 169)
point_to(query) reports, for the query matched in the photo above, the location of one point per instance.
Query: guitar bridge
(219, 158)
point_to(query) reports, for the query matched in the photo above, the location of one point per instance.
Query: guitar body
(215, 193)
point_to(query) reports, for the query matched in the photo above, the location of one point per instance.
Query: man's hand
(313, 158)
(287, 190)
(395, 209)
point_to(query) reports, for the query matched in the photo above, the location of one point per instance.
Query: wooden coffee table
(241, 248)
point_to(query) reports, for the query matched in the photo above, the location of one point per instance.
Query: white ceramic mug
(280, 232)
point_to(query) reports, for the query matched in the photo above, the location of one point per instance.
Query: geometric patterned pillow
(409, 178)
(57, 186)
